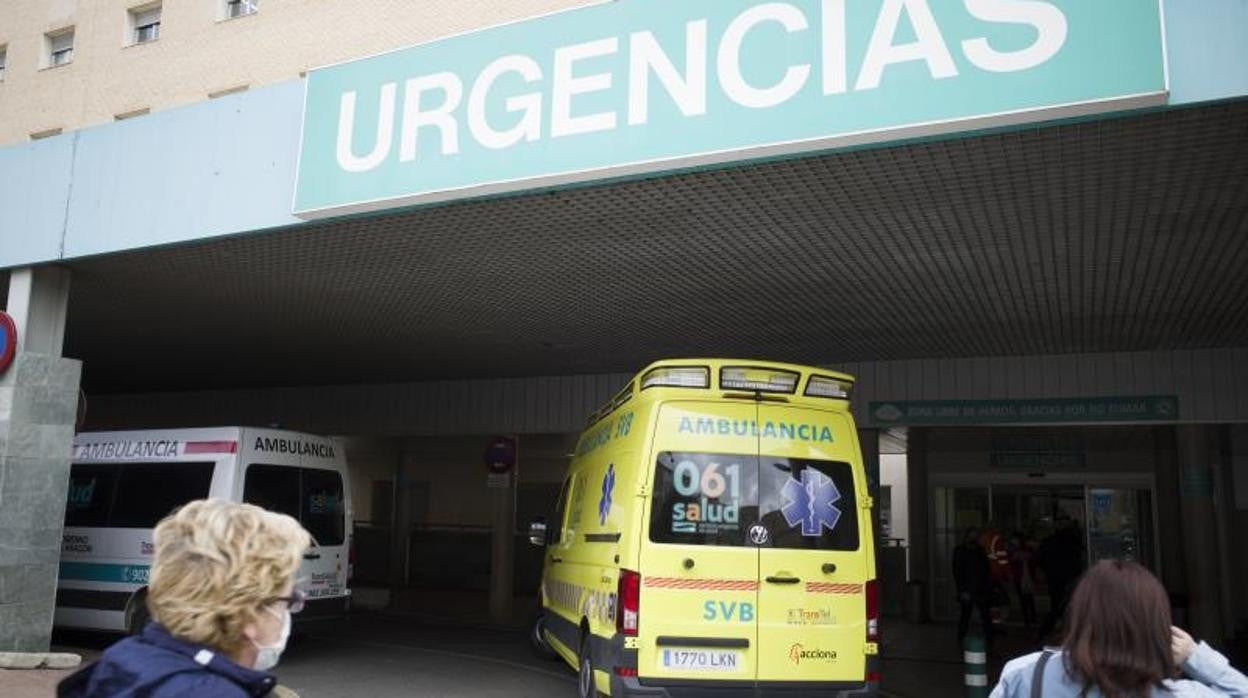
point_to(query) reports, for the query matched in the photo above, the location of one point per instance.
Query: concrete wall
(1207, 53)
(1238, 518)
(1212, 385)
(190, 174)
(451, 468)
(38, 403)
(199, 53)
(369, 460)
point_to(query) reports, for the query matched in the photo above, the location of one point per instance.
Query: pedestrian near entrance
(998, 569)
(221, 594)
(1119, 643)
(973, 579)
(1022, 556)
(1061, 558)
(996, 549)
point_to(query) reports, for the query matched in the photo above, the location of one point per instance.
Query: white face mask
(267, 656)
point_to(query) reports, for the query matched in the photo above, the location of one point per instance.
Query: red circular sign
(500, 455)
(8, 341)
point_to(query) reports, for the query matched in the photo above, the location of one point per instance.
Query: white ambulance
(122, 483)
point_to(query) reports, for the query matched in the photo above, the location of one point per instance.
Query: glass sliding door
(1120, 525)
(956, 509)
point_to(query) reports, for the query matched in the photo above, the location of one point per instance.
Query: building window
(131, 114)
(40, 135)
(240, 8)
(60, 47)
(144, 24)
(4, 58)
(227, 91)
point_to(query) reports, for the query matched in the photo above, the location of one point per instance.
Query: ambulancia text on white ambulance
(122, 483)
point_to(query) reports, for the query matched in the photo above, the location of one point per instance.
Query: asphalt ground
(377, 655)
(385, 656)
(374, 656)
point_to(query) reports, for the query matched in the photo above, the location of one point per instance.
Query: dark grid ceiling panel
(1129, 234)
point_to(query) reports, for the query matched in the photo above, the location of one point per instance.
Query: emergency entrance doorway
(1115, 516)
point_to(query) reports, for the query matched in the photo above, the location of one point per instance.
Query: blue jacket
(1211, 675)
(155, 664)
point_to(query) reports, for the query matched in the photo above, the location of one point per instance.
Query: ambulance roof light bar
(677, 377)
(758, 380)
(829, 387)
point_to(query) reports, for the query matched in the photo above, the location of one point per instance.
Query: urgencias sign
(643, 86)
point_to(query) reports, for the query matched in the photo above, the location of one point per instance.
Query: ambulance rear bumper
(630, 686)
(710, 688)
(322, 609)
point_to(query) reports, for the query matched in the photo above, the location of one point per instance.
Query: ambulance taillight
(873, 611)
(629, 605)
(873, 625)
(350, 557)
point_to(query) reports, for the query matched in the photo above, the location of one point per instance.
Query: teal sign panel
(104, 572)
(635, 87)
(1148, 408)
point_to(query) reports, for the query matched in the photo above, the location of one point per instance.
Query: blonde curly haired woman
(221, 593)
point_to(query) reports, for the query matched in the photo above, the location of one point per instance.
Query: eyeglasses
(296, 601)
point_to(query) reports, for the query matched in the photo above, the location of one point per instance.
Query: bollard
(976, 659)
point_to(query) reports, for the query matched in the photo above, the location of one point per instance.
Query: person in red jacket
(995, 547)
(999, 571)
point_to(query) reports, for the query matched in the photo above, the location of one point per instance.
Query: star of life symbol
(810, 502)
(604, 503)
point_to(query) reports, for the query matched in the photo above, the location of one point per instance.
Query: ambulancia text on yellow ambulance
(714, 531)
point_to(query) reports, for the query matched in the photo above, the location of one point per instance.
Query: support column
(1169, 518)
(38, 411)
(502, 547)
(1198, 453)
(916, 477)
(401, 521)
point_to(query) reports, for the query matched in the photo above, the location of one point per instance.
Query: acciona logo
(798, 653)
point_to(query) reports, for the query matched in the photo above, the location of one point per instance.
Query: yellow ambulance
(714, 531)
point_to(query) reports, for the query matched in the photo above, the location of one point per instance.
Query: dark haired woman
(1119, 644)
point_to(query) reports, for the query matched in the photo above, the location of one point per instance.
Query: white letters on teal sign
(642, 86)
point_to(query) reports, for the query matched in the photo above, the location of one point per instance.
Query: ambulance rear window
(704, 498)
(148, 492)
(808, 504)
(312, 496)
(742, 500)
(132, 495)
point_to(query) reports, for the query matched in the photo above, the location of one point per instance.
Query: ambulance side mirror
(537, 533)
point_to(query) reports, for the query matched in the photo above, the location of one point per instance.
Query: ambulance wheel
(585, 673)
(537, 637)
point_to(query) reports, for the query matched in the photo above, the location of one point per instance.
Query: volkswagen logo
(759, 535)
